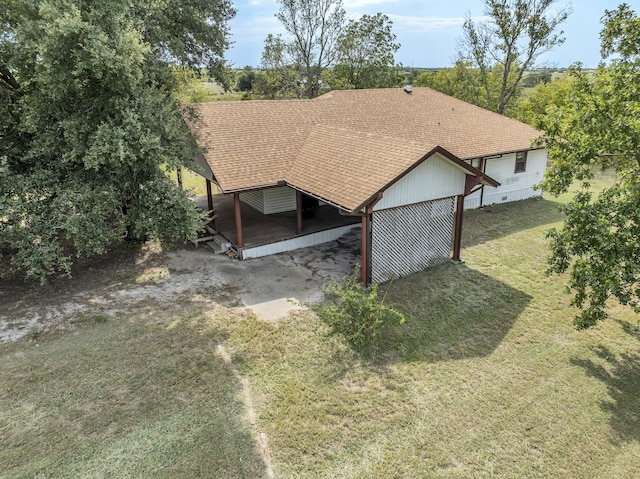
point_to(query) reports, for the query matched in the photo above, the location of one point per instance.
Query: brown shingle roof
(345, 145)
(332, 157)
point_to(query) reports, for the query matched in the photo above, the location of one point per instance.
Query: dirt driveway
(270, 286)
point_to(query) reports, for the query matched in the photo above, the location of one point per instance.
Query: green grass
(486, 379)
(125, 397)
(193, 182)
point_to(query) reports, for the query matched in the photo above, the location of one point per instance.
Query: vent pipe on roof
(408, 89)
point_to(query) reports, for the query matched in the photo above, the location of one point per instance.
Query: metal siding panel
(472, 201)
(411, 238)
(255, 199)
(297, 242)
(278, 200)
(507, 196)
(502, 169)
(434, 178)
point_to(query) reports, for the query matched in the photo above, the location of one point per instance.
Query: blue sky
(426, 29)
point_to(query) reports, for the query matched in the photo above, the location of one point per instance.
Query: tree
(280, 75)
(599, 127)
(365, 55)
(314, 26)
(461, 81)
(88, 120)
(532, 107)
(508, 44)
(534, 79)
(246, 79)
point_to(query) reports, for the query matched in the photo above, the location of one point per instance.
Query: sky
(427, 30)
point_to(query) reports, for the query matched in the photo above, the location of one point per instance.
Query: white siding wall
(255, 199)
(277, 200)
(271, 200)
(435, 178)
(513, 186)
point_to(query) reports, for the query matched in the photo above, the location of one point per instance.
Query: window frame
(521, 157)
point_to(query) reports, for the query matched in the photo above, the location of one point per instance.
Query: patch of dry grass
(126, 397)
(486, 379)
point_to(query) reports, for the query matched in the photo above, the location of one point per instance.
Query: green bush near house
(357, 313)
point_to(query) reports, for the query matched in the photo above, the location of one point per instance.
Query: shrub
(356, 313)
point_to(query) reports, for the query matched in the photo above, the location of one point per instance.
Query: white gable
(434, 178)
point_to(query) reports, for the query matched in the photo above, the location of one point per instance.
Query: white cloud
(364, 3)
(256, 27)
(425, 24)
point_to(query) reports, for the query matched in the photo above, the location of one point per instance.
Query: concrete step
(215, 247)
(222, 243)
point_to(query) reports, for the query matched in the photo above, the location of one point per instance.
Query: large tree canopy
(321, 47)
(365, 55)
(88, 119)
(460, 81)
(507, 44)
(598, 127)
(314, 27)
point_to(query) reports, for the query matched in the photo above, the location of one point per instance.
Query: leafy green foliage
(365, 55)
(313, 27)
(461, 81)
(280, 75)
(599, 127)
(357, 313)
(320, 48)
(88, 116)
(532, 106)
(534, 79)
(246, 79)
(508, 44)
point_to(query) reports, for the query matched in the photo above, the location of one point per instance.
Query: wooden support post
(209, 196)
(299, 211)
(457, 232)
(365, 250)
(179, 176)
(236, 207)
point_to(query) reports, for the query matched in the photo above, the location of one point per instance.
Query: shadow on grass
(133, 397)
(621, 374)
(493, 222)
(16, 291)
(453, 312)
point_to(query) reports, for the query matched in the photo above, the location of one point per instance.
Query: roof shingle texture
(346, 145)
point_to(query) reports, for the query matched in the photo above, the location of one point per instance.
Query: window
(521, 162)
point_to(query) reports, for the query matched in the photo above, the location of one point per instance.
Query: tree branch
(10, 81)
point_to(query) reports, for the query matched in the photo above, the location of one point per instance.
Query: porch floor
(259, 229)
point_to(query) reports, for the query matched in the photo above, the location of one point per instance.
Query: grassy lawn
(193, 182)
(486, 379)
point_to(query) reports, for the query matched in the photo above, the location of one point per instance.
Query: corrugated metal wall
(410, 238)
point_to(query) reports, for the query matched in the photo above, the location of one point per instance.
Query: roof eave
(500, 153)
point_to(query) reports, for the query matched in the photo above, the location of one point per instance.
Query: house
(400, 164)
